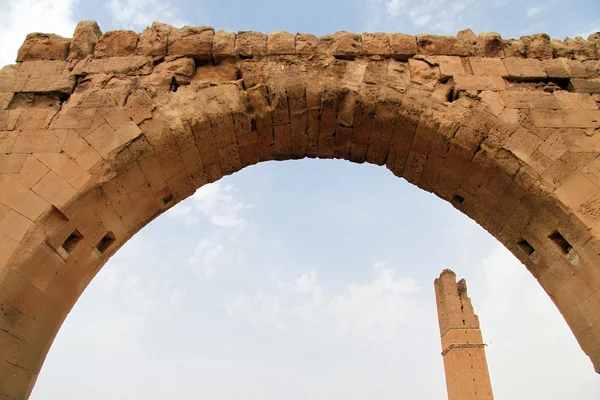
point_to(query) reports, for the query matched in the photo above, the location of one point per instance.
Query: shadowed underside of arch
(100, 134)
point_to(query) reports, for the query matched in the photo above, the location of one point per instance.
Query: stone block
(32, 171)
(133, 65)
(529, 99)
(487, 66)
(376, 44)
(223, 46)
(449, 65)
(514, 48)
(61, 84)
(444, 45)
(5, 99)
(11, 163)
(14, 225)
(306, 44)
(524, 69)
(43, 46)
(472, 82)
(402, 47)
(117, 43)
(65, 167)
(538, 46)
(21, 199)
(42, 67)
(250, 44)
(85, 37)
(36, 141)
(344, 45)
(281, 43)
(584, 85)
(195, 42)
(566, 119)
(423, 73)
(580, 49)
(55, 190)
(489, 44)
(564, 68)
(153, 40)
(575, 101)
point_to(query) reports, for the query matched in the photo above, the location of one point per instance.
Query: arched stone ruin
(101, 133)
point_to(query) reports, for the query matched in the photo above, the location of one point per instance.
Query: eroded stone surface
(98, 140)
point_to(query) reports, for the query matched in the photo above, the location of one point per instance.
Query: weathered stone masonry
(101, 133)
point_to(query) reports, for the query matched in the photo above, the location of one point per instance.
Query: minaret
(463, 350)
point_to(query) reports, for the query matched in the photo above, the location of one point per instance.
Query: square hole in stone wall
(526, 247)
(105, 242)
(561, 242)
(69, 244)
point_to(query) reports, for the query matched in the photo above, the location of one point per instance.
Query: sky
(308, 279)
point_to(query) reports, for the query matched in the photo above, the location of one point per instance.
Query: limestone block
(21, 199)
(11, 163)
(43, 46)
(565, 68)
(467, 35)
(529, 99)
(153, 40)
(472, 82)
(580, 49)
(36, 141)
(487, 66)
(281, 43)
(538, 46)
(514, 48)
(223, 46)
(195, 42)
(32, 171)
(132, 65)
(117, 43)
(14, 225)
(559, 49)
(344, 45)
(65, 167)
(566, 119)
(180, 66)
(524, 69)
(423, 74)
(250, 44)
(585, 85)
(449, 65)
(489, 44)
(444, 45)
(402, 47)
(62, 84)
(575, 101)
(5, 99)
(54, 190)
(376, 43)
(85, 37)
(306, 44)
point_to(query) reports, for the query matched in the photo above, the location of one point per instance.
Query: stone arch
(101, 133)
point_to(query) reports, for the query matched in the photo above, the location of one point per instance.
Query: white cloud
(20, 17)
(373, 310)
(217, 202)
(440, 16)
(141, 13)
(206, 256)
(533, 11)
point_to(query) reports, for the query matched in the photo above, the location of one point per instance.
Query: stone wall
(101, 133)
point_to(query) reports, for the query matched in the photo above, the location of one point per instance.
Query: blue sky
(305, 279)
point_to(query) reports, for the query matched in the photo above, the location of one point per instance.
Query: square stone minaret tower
(463, 350)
